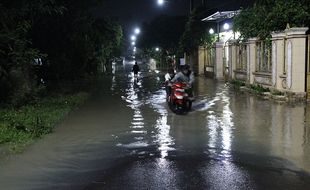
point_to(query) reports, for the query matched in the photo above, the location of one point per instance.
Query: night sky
(131, 13)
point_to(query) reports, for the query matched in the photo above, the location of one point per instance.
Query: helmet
(185, 67)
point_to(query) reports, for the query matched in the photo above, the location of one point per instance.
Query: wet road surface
(125, 137)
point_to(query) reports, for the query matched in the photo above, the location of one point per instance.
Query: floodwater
(125, 137)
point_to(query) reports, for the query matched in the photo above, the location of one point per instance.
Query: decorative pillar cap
(252, 40)
(296, 31)
(277, 35)
(232, 41)
(219, 44)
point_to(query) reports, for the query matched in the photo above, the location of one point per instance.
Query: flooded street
(126, 137)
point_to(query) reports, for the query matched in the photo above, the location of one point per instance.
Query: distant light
(137, 31)
(226, 26)
(157, 49)
(133, 38)
(160, 2)
(133, 43)
(211, 31)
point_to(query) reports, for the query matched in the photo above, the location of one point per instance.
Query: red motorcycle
(179, 100)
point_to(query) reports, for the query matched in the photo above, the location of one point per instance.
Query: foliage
(267, 16)
(237, 83)
(78, 43)
(259, 88)
(16, 58)
(278, 93)
(164, 32)
(22, 125)
(194, 34)
(63, 34)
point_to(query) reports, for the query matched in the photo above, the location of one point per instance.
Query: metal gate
(210, 60)
(308, 68)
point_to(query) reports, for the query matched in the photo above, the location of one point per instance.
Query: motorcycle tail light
(179, 90)
(178, 95)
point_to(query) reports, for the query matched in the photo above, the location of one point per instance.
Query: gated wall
(206, 61)
(282, 64)
(289, 61)
(308, 67)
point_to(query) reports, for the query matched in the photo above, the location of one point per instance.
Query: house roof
(220, 16)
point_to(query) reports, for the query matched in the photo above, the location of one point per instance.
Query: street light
(133, 38)
(160, 2)
(137, 31)
(211, 31)
(191, 4)
(226, 26)
(157, 49)
(133, 43)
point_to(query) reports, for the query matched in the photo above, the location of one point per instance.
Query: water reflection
(113, 84)
(135, 101)
(162, 138)
(272, 130)
(220, 126)
(288, 132)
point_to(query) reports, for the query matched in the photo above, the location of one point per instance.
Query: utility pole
(204, 3)
(191, 5)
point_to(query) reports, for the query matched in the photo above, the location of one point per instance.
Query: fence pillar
(232, 58)
(201, 60)
(278, 60)
(218, 70)
(251, 59)
(296, 59)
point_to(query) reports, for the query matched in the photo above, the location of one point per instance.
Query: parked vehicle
(179, 100)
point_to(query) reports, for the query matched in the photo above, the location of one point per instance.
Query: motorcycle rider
(186, 76)
(135, 69)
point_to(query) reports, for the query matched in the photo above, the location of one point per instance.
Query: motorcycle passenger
(168, 77)
(186, 76)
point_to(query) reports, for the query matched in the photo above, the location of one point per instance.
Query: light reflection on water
(137, 99)
(135, 102)
(220, 126)
(163, 138)
(237, 122)
(223, 123)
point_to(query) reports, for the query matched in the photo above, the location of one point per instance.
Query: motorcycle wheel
(175, 108)
(189, 105)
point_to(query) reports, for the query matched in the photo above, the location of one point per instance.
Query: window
(263, 56)
(242, 57)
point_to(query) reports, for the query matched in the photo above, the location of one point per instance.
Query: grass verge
(20, 126)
